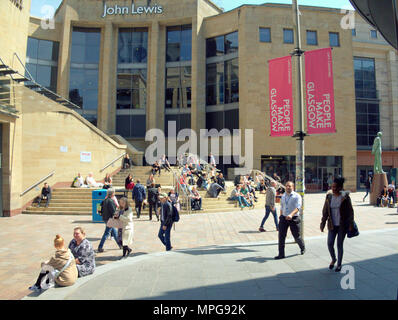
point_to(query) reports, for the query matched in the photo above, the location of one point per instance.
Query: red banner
(320, 91)
(281, 96)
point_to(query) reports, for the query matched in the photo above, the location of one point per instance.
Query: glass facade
(367, 104)
(179, 43)
(178, 89)
(222, 82)
(317, 169)
(83, 79)
(131, 95)
(42, 62)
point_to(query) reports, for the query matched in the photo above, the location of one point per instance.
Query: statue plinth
(378, 183)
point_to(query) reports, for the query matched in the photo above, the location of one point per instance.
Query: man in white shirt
(291, 203)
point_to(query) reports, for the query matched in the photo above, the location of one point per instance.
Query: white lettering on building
(133, 10)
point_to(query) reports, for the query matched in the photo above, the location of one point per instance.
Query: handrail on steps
(187, 198)
(37, 183)
(113, 161)
(264, 175)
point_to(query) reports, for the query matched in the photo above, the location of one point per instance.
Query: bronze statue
(377, 151)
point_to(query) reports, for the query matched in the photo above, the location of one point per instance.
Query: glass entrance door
(327, 175)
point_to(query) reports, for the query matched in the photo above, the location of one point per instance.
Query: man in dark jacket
(45, 194)
(153, 200)
(166, 221)
(108, 211)
(139, 194)
(221, 181)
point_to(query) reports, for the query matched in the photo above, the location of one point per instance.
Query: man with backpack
(108, 210)
(168, 215)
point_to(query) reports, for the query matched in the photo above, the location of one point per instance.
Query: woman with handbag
(60, 269)
(126, 219)
(339, 215)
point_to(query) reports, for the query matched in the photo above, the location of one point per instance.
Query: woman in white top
(126, 217)
(92, 183)
(339, 215)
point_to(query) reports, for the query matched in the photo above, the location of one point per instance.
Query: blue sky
(37, 5)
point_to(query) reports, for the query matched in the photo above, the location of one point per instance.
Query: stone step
(50, 208)
(58, 204)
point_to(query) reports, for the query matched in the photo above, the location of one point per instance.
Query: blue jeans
(164, 236)
(340, 233)
(205, 184)
(106, 234)
(241, 199)
(267, 212)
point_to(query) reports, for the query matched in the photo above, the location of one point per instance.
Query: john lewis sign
(133, 10)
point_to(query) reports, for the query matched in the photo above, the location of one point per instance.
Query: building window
(182, 121)
(83, 78)
(265, 35)
(42, 62)
(178, 87)
(288, 36)
(334, 39)
(365, 78)
(131, 95)
(367, 104)
(222, 82)
(312, 38)
(354, 32)
(373, 34)
(179, 43)
(178, 93)
(133, 45)
(222, 45)
(368, 123)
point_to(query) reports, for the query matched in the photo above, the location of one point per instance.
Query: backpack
(175, 214)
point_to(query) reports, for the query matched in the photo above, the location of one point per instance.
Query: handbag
(114, 223)
(354, 232)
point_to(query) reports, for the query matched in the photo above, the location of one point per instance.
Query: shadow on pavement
(375, 279)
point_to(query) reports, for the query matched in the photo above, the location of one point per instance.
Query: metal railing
(37, 183)
(255, 172)
(43, 89)
(113, 161)
(186, 197)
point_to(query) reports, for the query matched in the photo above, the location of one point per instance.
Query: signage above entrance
(133, 10)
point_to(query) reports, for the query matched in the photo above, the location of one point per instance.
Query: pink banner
(320, 91)
(281, 96)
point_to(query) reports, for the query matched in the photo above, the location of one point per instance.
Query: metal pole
(300, 155)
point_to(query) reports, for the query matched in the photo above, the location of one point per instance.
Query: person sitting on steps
(45, 194)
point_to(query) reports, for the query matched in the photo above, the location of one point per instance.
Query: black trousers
(41, 275)
(138, 207)
(295, 226)
(154, 207)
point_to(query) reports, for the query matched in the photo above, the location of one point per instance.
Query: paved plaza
(199, 242)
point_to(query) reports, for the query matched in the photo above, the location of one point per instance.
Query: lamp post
(300, 135)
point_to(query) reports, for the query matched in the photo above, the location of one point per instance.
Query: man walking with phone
(289, 217)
